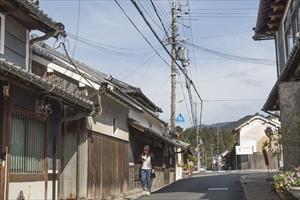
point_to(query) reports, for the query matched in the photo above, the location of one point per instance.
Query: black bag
(153, 175)
(140, 173)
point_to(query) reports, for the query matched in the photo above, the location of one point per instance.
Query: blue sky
(220, 25)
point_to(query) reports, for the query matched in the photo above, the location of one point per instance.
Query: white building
(250, 139)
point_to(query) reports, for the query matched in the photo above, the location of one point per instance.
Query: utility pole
(173, 68)
(218, 148)
(198, 140)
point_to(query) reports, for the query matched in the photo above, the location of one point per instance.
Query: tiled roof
(134, 92)
(8, 68)
(133, 123)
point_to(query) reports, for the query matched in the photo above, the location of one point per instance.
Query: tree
(209, 142)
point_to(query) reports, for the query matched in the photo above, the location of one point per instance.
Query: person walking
(147, 170)
(190, 165)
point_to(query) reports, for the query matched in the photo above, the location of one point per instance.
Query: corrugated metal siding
(27, 145)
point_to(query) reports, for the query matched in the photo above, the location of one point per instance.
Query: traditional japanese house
(251, 135)
(279, 20)
(102, 162)
(32, 107)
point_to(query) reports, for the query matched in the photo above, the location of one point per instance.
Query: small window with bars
(27, 145)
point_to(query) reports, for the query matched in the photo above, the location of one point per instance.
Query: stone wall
(289, 97)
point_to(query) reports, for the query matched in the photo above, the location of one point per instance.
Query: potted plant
(288, 183)
(295, 185)
(295, 188)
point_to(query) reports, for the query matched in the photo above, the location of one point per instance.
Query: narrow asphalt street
(212, 186)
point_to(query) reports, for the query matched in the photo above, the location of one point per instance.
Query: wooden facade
(257, 162)
(20, 172)
(108, 171)
(70, 151)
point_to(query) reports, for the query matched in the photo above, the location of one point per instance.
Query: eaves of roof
(54, 56)
(135, 91)
(8, 68)
(57, 58)
(42, 21)
(257, 117)
(269, 17)
(135, 124)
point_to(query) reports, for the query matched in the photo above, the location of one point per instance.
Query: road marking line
(218, 189)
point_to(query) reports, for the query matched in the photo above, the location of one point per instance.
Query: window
(27, 145)
(291, 26)
(2, 32)
(280, 50)
(289, 40)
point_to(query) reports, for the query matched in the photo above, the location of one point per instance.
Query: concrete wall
(104, 124)
(289, 96)
(15, 42)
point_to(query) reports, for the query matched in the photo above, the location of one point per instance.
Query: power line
(192, 37)
(155, 10)
(132, 72)
(150, 16)
(101, 47)
(224, 9)
(189, 112)
(164, 13)
(222, 35)
(222, 13)
(235, 57)
(77, 28)
(157, 37)
(71, 61)
(102, 44)
(141, 33)
(233, 100)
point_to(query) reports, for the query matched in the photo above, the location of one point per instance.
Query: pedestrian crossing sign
(180, 118)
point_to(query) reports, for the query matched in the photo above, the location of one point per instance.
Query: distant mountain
(217, 125)
(228, 125)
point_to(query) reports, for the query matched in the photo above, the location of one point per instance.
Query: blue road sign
(180, 118)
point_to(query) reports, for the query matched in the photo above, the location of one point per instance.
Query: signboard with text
(244, 150)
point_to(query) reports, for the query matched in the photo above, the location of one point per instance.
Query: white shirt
(147, 162)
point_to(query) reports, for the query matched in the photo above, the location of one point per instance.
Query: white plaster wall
(50, 188)
(31, 190)
(252, 133)
(103, 124)
(148, 121)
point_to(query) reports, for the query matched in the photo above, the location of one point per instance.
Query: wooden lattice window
(27, 145)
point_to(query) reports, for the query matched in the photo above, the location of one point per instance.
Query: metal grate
(27, 145)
